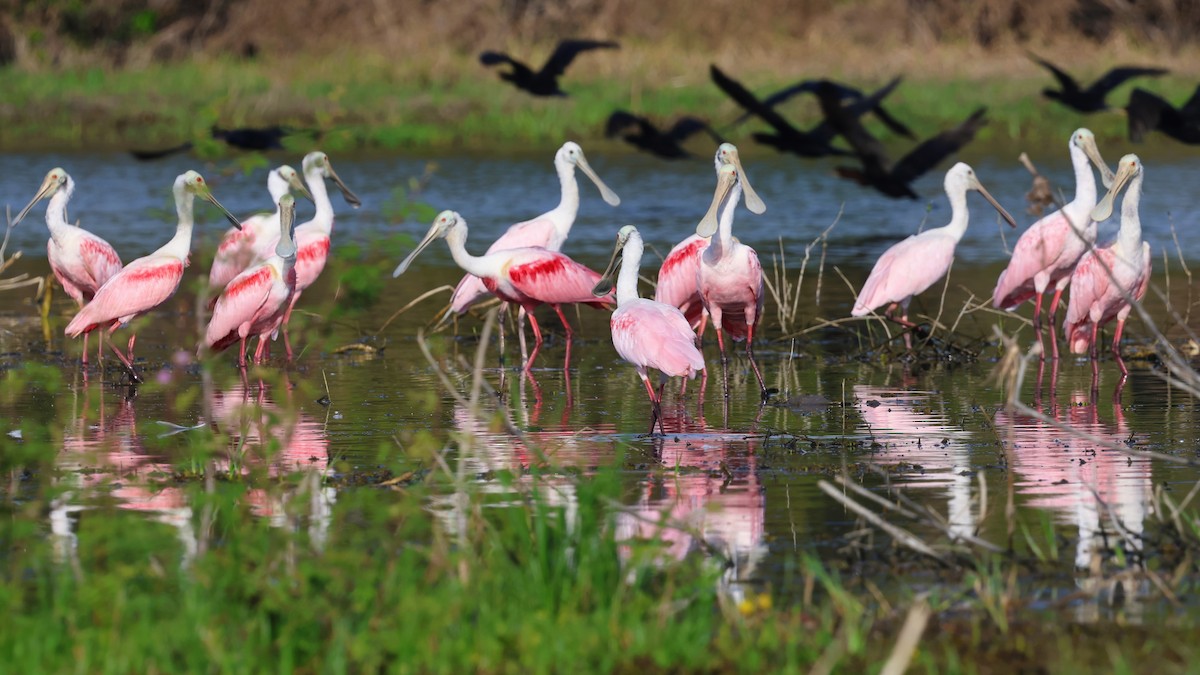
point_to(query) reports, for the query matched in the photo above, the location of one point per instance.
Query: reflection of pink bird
(80, 260)
(525, 276)
(913, 265)
(548, 231)
(254, 301)
(647, 333)
(149, 281)
(239, 249)
(1096, 298)
(1048, 251)
(679, 276)
(312, 238)
(730, 279)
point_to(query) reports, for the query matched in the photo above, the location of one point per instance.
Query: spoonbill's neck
(323, 219)
(1129, 238)
(56, 210)
(631, 261)
(1085, 180)
(959, 214)
(564, 214)
(277, 186)
(722, 242)
(181, 244)
(479, 266)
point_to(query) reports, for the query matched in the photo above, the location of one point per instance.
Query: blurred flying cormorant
(648, 137)
(1091, 99)
(545, 81)
(1150, 112)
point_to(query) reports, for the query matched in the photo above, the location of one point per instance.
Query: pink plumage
(650, 334)
(678, 280)
(141, 286)
(906, 269)
(539, 232)
(535, 276)
(1096, 300)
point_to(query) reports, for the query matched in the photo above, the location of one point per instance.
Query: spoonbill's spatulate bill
(646, 333)
(151, 280)
(527, 277)
(914, 264)
(81, 261)
(1111, 274)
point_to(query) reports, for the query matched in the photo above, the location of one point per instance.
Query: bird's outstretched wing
(685, 127)
(1191, 109)
(1143, 113)
(566, 52)
(1067, 82)
(927, 155)
(620, 120)
(1117, 76)
(495, 58)
(874, 103)
(844, 121)
(742, 96)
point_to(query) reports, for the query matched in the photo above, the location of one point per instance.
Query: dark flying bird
(787, 138)
(244, 138)
(877, 171)
(1091, 99)
(1149, 112)
(648, 137)
(848, 93)
(545, 81)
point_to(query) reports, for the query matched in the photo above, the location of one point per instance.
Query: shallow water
(741, 476)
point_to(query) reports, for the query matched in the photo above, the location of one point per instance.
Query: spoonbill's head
(55, 180)
(570, 154)
(292, 178)
(961, 177)
(317, 165)
(193, 183)
(1129, 168)
(727, 154)
(445, 223)
(286, 248)
(727, 177)
(1085, 140)
(605, 285)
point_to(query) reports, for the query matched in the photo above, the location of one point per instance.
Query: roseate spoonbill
(528, 276)
(1048, 251)
(860, 103)
(545, 81)
(647, 333)
(1090, 100)
(1109, 276)
(877, 170)
(679, 276)
(1148, 112)
(239, 249)
(254, 301)
(149, 281)
(730, 277)
(547, 231)
(312, 238)
(80, 260)
(667, 143)
(1040, 195)
(914, 264)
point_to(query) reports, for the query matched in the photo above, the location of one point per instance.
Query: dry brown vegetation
(935, 38)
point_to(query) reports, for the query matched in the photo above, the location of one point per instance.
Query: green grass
(371, 104)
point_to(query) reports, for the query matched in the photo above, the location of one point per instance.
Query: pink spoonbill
(548, 231)
(151, 280)
(80, 260)
(1048, 251)
(312, 238)
(647, 333)
(254, 301)
(679, 276)
(730, 276)
(239, 249)
(914, 264)
(1111, 275)
(527, 277)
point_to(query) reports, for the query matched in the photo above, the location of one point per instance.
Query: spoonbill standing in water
(239, 249)
(254, 301)
(312, 238)
(548, 231)
(730, 278)
(914, 264)
(647, 333)
(528, 276)
(679, 276)
(1048, 251)
(80, 260)
(1097, 297)
(149, 281)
